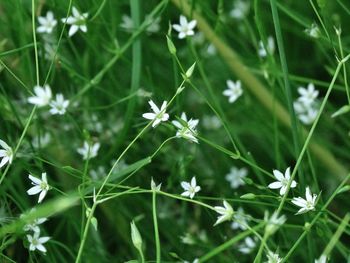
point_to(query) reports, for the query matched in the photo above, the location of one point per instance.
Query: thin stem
(155, 223)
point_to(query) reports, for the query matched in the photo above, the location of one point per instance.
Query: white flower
(34, 225)
(47, 24)
(322, 259)
(185, 28)
(6, 153)
(309, 95)
(40, 186)
(226, 213)
(42, 140)
(211, 122)
(127, 23)
(89, 151)
(59, 105)
(307, 204)
(240, 220)
(270, 49)
(248, 245)
(313, 31)
(190, 188)
(240, 9)
(155, 187)
(36, 242)
(43, 96)
(98, 173)
(236, 176)
(187, 131)
(273, 257)
(158, 115)
(274, 222)
(307, 114)
(77, 21)
(282, 181)
(154, 26)
(233, 91)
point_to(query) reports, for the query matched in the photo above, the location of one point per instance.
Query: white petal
(73, 29)
(287, 173)
(153, 106)
(34, 190)
(149, 116)
(193, 182)
(275, 185)
(185, 185)
(42, 195)
(279, 176)
(41, 248)
(192, 24)
(83, 28)
(34, 179)
(308, 194)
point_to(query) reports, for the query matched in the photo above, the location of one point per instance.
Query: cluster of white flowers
(43, 97)
(306, 106)
(76, 21)
(41, 187)
(35, 241)
(282, 182)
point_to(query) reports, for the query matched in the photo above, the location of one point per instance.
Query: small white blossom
(187, 131)
(158, 115)
(154, 186)
(77, 21)
(34, 225)
(240, 220)
(59, 105)
(43, 96)
(89, 151)
(42, 140)
(307, 204)
(226, 213)
(36, 242)
(274, 222)
(211, 122)
(282, 181)
(40, 186)
(190, 188)
(240, 9)
(233, 91)
(270, 49)
(248, 245)
(127, 23)
(309, 95)
(313, 31)
(307, 114)
(47, 24)
(185, 28)
(98, 173)
(322, 259)
(6, 153)
(273, 257)
(236, 176)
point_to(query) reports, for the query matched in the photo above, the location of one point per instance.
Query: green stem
(155, 222)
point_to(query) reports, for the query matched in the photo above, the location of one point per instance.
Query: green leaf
(94, 223)
(344, 109)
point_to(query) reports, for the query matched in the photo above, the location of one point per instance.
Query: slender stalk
(155, 223)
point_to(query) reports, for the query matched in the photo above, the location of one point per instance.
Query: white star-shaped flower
(89, 151)
(47, 24)
(240, 220)
(77, 21)
(233, 91)
(248, 245)
(190, 188)
(6, 153)
(270, 49)
(307, 113)
(158, 115)
(282, 181)
(34, 225)
(185, 28)
(240, 9)
(36, 242)
(273, 257)
(313, 31)
(236, 176)
(309, 95)
(43, 96)
(187, 131)
(40, 186)
(307, 204)
(322, 259)
(226, 213)
(59, 105)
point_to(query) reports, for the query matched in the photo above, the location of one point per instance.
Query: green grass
(109, 74)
